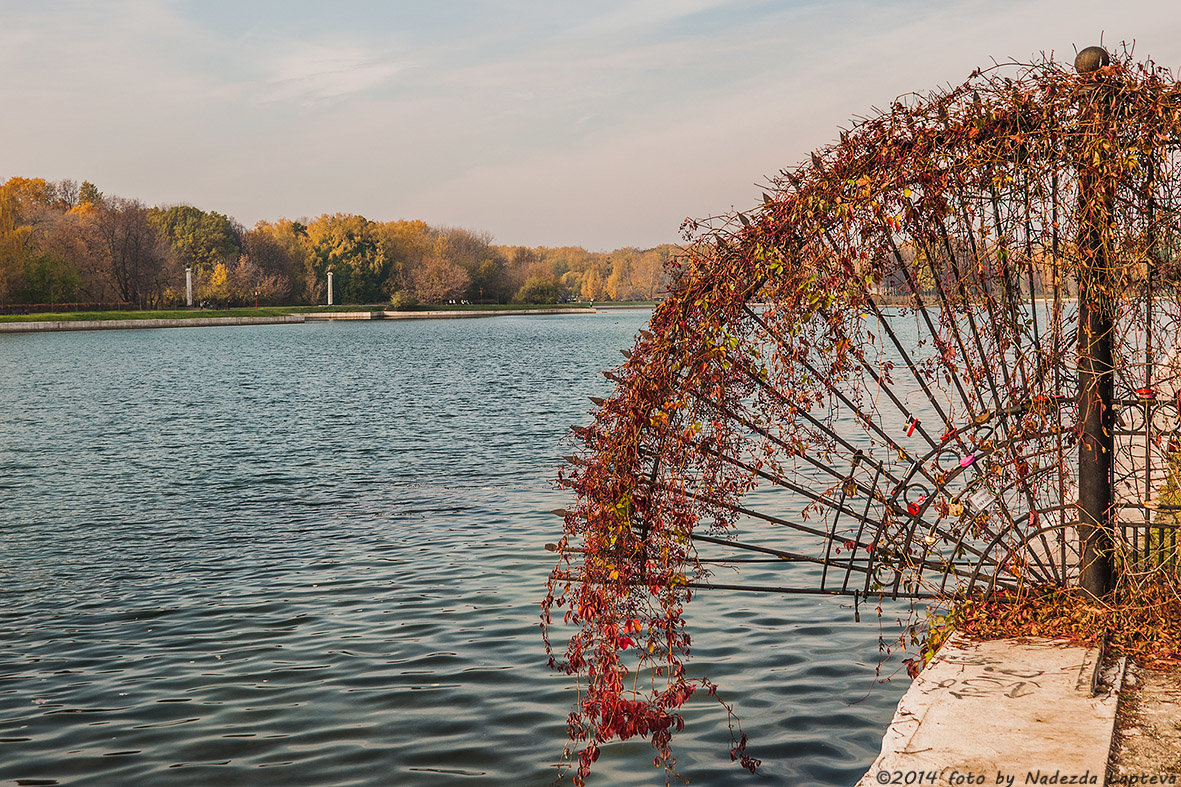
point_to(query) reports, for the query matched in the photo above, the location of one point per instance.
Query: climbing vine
(888, 342)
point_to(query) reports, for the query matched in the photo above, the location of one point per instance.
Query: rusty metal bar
(1095, 369)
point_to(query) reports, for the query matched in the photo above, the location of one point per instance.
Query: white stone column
(329, 288)
(189, 285)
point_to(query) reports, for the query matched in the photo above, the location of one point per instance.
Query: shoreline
(47, 326)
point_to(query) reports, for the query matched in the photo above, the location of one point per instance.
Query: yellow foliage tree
(216, 288)
(29, 192)
(14, 236)
(619, 286)
(592, 285)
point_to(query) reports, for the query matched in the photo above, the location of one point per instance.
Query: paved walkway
(1033, 711)
(1002, 712)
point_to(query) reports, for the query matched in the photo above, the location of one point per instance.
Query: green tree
(540, 289)
(200, 239)
(572, 282)
(352, 248)
(49, 279)
(88, 194)
(490, 284)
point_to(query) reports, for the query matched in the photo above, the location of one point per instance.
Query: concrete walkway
(1003, 712)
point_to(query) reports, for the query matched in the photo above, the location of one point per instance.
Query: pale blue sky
(593, 123)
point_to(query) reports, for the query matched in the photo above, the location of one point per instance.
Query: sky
(598, 123)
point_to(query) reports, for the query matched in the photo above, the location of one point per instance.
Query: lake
(315, 554)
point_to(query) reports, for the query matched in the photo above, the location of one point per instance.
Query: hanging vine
(888, 343)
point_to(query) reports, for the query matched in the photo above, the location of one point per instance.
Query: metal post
(329, 288)
(189, 286)
(1095, 373)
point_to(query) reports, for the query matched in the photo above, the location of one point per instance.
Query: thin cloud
(311, 73)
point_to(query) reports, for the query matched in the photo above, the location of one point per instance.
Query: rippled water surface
(313, 554)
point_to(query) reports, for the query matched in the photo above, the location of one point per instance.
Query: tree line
(64, 242)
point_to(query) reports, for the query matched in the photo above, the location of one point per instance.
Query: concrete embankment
(450, 314)
(40, 326)
(1003, 712)
(108, 325)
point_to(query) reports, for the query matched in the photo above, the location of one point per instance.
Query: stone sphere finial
(1091, 59)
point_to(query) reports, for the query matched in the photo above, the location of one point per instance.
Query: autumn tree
(31, 271)
(592, 285)
(467, 248)
(572, 282)
(519, 260)
(66, 194)
(31, 192)
(618, 285)
(481, 261)
(281, 248)
(439, 279)
(13, 246)
(134, 254)
(72, 242)
(71, 237)
(281, 259)
(648, 273)
(407, 245)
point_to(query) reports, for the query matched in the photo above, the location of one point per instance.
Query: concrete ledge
(205, 322)
(462, 313)
(1002, 712)
(112, 325)
(314, 316)
(451, 314)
